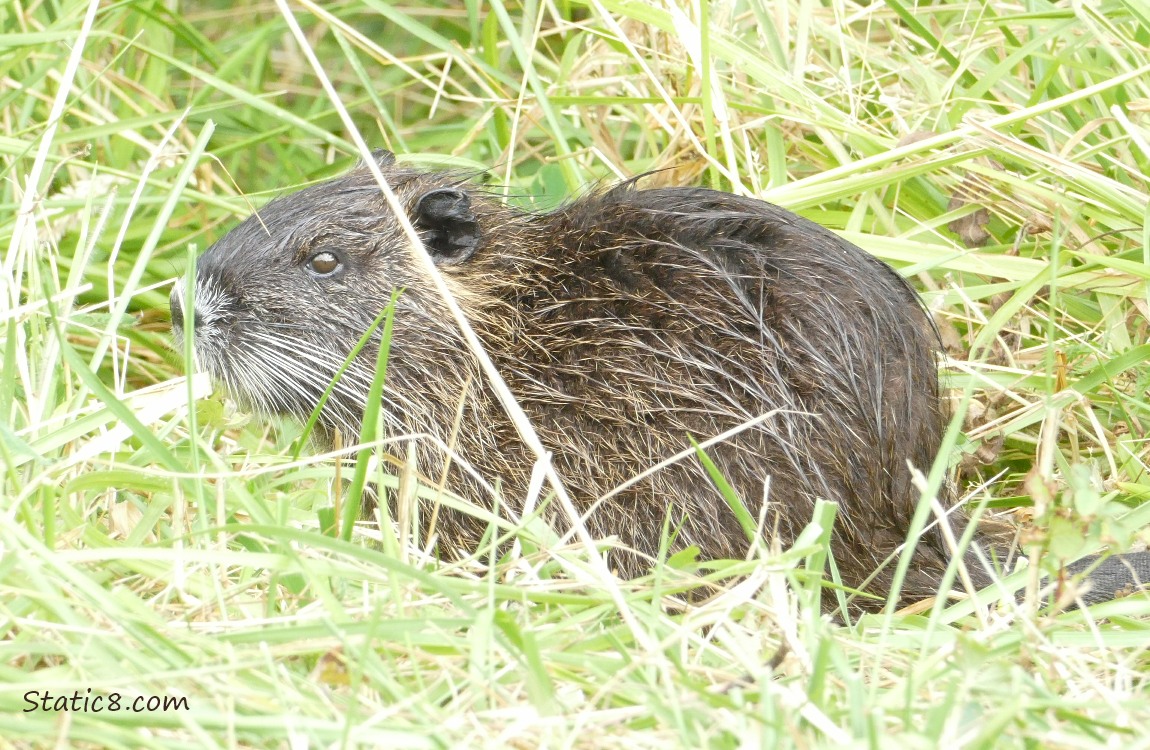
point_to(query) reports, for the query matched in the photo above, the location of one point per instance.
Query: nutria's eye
(324, 263)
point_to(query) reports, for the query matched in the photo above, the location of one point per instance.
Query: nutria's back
(626, 323)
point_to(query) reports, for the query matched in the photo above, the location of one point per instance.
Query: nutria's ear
(380, 156)
(383, 157)
(449, 229)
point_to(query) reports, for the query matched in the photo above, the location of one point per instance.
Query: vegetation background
(998, 152)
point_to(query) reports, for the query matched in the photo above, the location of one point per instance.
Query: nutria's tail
(1117, 575)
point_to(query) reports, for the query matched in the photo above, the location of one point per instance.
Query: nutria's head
(282, 299)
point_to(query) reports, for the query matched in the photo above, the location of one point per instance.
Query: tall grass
(996, 153)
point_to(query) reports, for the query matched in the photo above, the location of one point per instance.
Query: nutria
(627, 323)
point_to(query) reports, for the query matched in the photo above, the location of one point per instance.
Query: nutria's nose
(176, 304)
(176, 307)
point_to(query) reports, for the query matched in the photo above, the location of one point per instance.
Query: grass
(996, 153)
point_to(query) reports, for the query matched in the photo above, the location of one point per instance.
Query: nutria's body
(625, 323)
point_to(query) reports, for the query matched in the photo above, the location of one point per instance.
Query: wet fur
(625, 322)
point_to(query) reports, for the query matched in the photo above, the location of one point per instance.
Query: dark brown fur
(626, 323)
